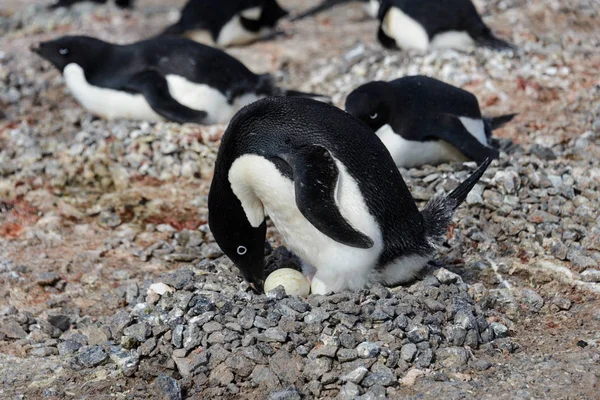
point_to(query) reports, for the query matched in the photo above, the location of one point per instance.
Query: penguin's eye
(373, 116)
(241, 250)
(63, 51)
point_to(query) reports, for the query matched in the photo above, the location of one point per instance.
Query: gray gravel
(92, 213)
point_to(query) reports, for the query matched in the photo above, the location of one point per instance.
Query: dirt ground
(61, 251)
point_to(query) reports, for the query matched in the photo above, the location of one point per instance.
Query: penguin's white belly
(263, 190)
(233, 32)
(452, 40)
(111, 104)
(201, 36)
(205, 98)
(410, 34)
(412, 153)
(107, 103)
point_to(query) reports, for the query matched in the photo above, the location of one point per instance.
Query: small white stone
(294, 282)
(160, 288)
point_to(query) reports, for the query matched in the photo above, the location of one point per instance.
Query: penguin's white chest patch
(111, 104)
(263, 190)
(412, 153)
(107, 103)
(233, 32)
(410, 34)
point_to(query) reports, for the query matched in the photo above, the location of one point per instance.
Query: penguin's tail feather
(493, 123)
(487, 39)
(438, 212)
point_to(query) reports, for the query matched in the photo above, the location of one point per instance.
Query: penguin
(69, 3)
(424, 24)
(164, 78)
(422, 120)
(371, 8)
(331, 189)
(227, 23)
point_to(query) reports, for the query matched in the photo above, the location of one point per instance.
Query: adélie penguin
(423, 24)
(422, 120)
(331, 189)
(227, 22)
(164, 78)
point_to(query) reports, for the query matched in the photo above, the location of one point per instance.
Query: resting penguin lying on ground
(162, 78)
(331, 189)
(227, 22)
(425, 121)
(69, 3)
(371, 7)
(421, 24)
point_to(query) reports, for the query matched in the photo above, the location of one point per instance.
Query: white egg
(294, 282)
(318, 286)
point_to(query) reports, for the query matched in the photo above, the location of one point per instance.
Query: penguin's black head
(240, 241)
(272, 12)
(370, 104)
(81, 50)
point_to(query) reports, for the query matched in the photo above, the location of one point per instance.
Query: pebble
(367, 350)
(91, 356)
(355, 376)
(590, 275)
(12, 330)
(534, 301)
(168, 387)
(408, 352)
(499, 329)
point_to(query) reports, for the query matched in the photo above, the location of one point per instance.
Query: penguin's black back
(212, 15)
(275, 126)
(438, 16)
(421, 95)
(172, 56)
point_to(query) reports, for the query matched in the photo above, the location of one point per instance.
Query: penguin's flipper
(154, 87)
(450, 129)
(315, 180)
(385, 40)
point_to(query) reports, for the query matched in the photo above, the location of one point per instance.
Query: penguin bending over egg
(164, 78)
(69, 3)
(371, 7)
(423, 24)
(331, 189)
(227, 22)
(422, 120)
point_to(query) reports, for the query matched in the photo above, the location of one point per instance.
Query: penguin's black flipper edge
(385, 40)
(154, 87)
(451, 130)
(315, 180)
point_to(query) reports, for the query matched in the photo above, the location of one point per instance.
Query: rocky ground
(111, 285)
